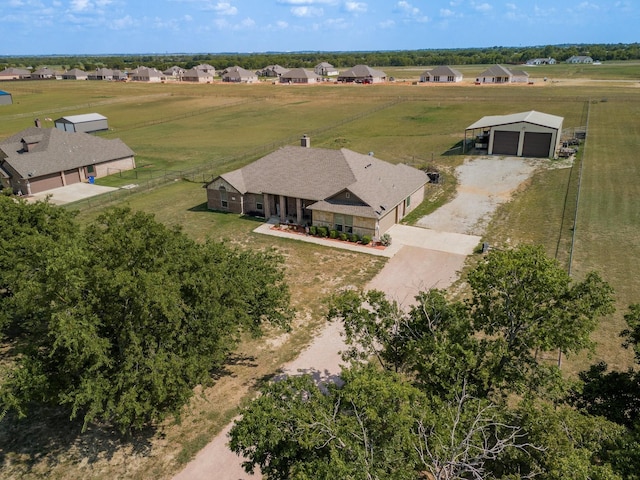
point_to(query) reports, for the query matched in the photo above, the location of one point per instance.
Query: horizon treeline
(253, 61)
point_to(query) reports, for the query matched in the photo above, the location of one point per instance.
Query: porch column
(298, 211)
(266, 204)
(64, 180)
(283, 209)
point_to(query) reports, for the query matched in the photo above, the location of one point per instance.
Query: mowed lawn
(182, 127)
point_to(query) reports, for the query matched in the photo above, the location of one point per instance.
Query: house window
(450, 78)
(436, 78)
(259, 205)
(343, 223)
(347, 195)
(90, 169)
(407, 202)
(224, 201)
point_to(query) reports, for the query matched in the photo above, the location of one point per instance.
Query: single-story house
(146, 74)
(205, 67)
(272, 71)
(39, 159)
(44, 73)
(339, 189)
(197, 76)
(14, 74)
(326, 70)
(87, 123)
(5, 98)
(441, 74)
(497, 74)
(362, 74)
(300, 75)
(101, 74)
(579, 59)
(542, 61)
(75, 74)
(238, 75)
(526, 134)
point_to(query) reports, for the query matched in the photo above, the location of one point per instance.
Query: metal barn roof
(87, 117)
(537, 118)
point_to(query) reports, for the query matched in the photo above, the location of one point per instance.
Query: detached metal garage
(87, 123)
(5, 98)
(527, 134)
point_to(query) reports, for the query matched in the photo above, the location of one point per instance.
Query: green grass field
(214, 128)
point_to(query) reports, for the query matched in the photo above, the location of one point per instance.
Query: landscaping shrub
(313, 230)
(385, 240)
(344, 237)
(333, 234)
(366, 240)
(354, 237)
(323, 232)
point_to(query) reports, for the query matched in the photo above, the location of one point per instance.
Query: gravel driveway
(427, 257)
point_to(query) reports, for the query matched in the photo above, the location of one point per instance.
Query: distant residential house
(75, 74)
(205, 67)
(441, 74)
(197, 76)
(300, 75)
(5, 98)
(497, 74)
(44, 73)
(146, 74)
(39, 159)
(339, 189)
(272, 71)
(101, 74)
(541, 61)
(119, 75)
(174, 72)
(14, 74)
(362, 74)
(238, 75)
(326, 69)
(580, 59)
(87, 123)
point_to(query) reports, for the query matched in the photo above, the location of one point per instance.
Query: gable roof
(496, 71)
(443, 71)
(53, 150)
(15, 71)
(85, 117)
(363, 71)
(319, 174)
(536, 118)
(238, 72)
(300, 73)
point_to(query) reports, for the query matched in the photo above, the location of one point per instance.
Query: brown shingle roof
(53, 150)
(319, 174)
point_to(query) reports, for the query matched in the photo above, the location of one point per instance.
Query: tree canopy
(448, 389)
(120, 320)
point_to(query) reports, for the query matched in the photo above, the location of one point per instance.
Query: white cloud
(411, 12)
(588, 6)
(225, 8)
(511, 6)
(387, 24)
(188, 18)
(307, 2)
(481, 7)
(122, 23)
(445, 12)
(248, 23)
(80, 5)
(355, 7)
(307, 12)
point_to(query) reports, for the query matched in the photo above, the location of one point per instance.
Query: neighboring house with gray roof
(39, 159)
(195, 75)
(146, 74)
(174, 72)
(362, 74)
(340, 189)
(14, 74)
(44, 73)
(326, 69)
(300, 75)
(497, 74)
(238, 75)
(75, 74)
(272, 71)
(441, 74)
(579, 59)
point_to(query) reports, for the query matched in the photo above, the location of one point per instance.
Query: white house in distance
(541, 61)
(497, 74)
(441, 74)
(580, 59)
(526, 134)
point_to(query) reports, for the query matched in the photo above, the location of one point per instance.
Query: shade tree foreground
(453, 389)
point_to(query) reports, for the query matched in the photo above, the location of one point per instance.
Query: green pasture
(214, 128)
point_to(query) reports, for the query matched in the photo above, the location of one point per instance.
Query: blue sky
(60, 27)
